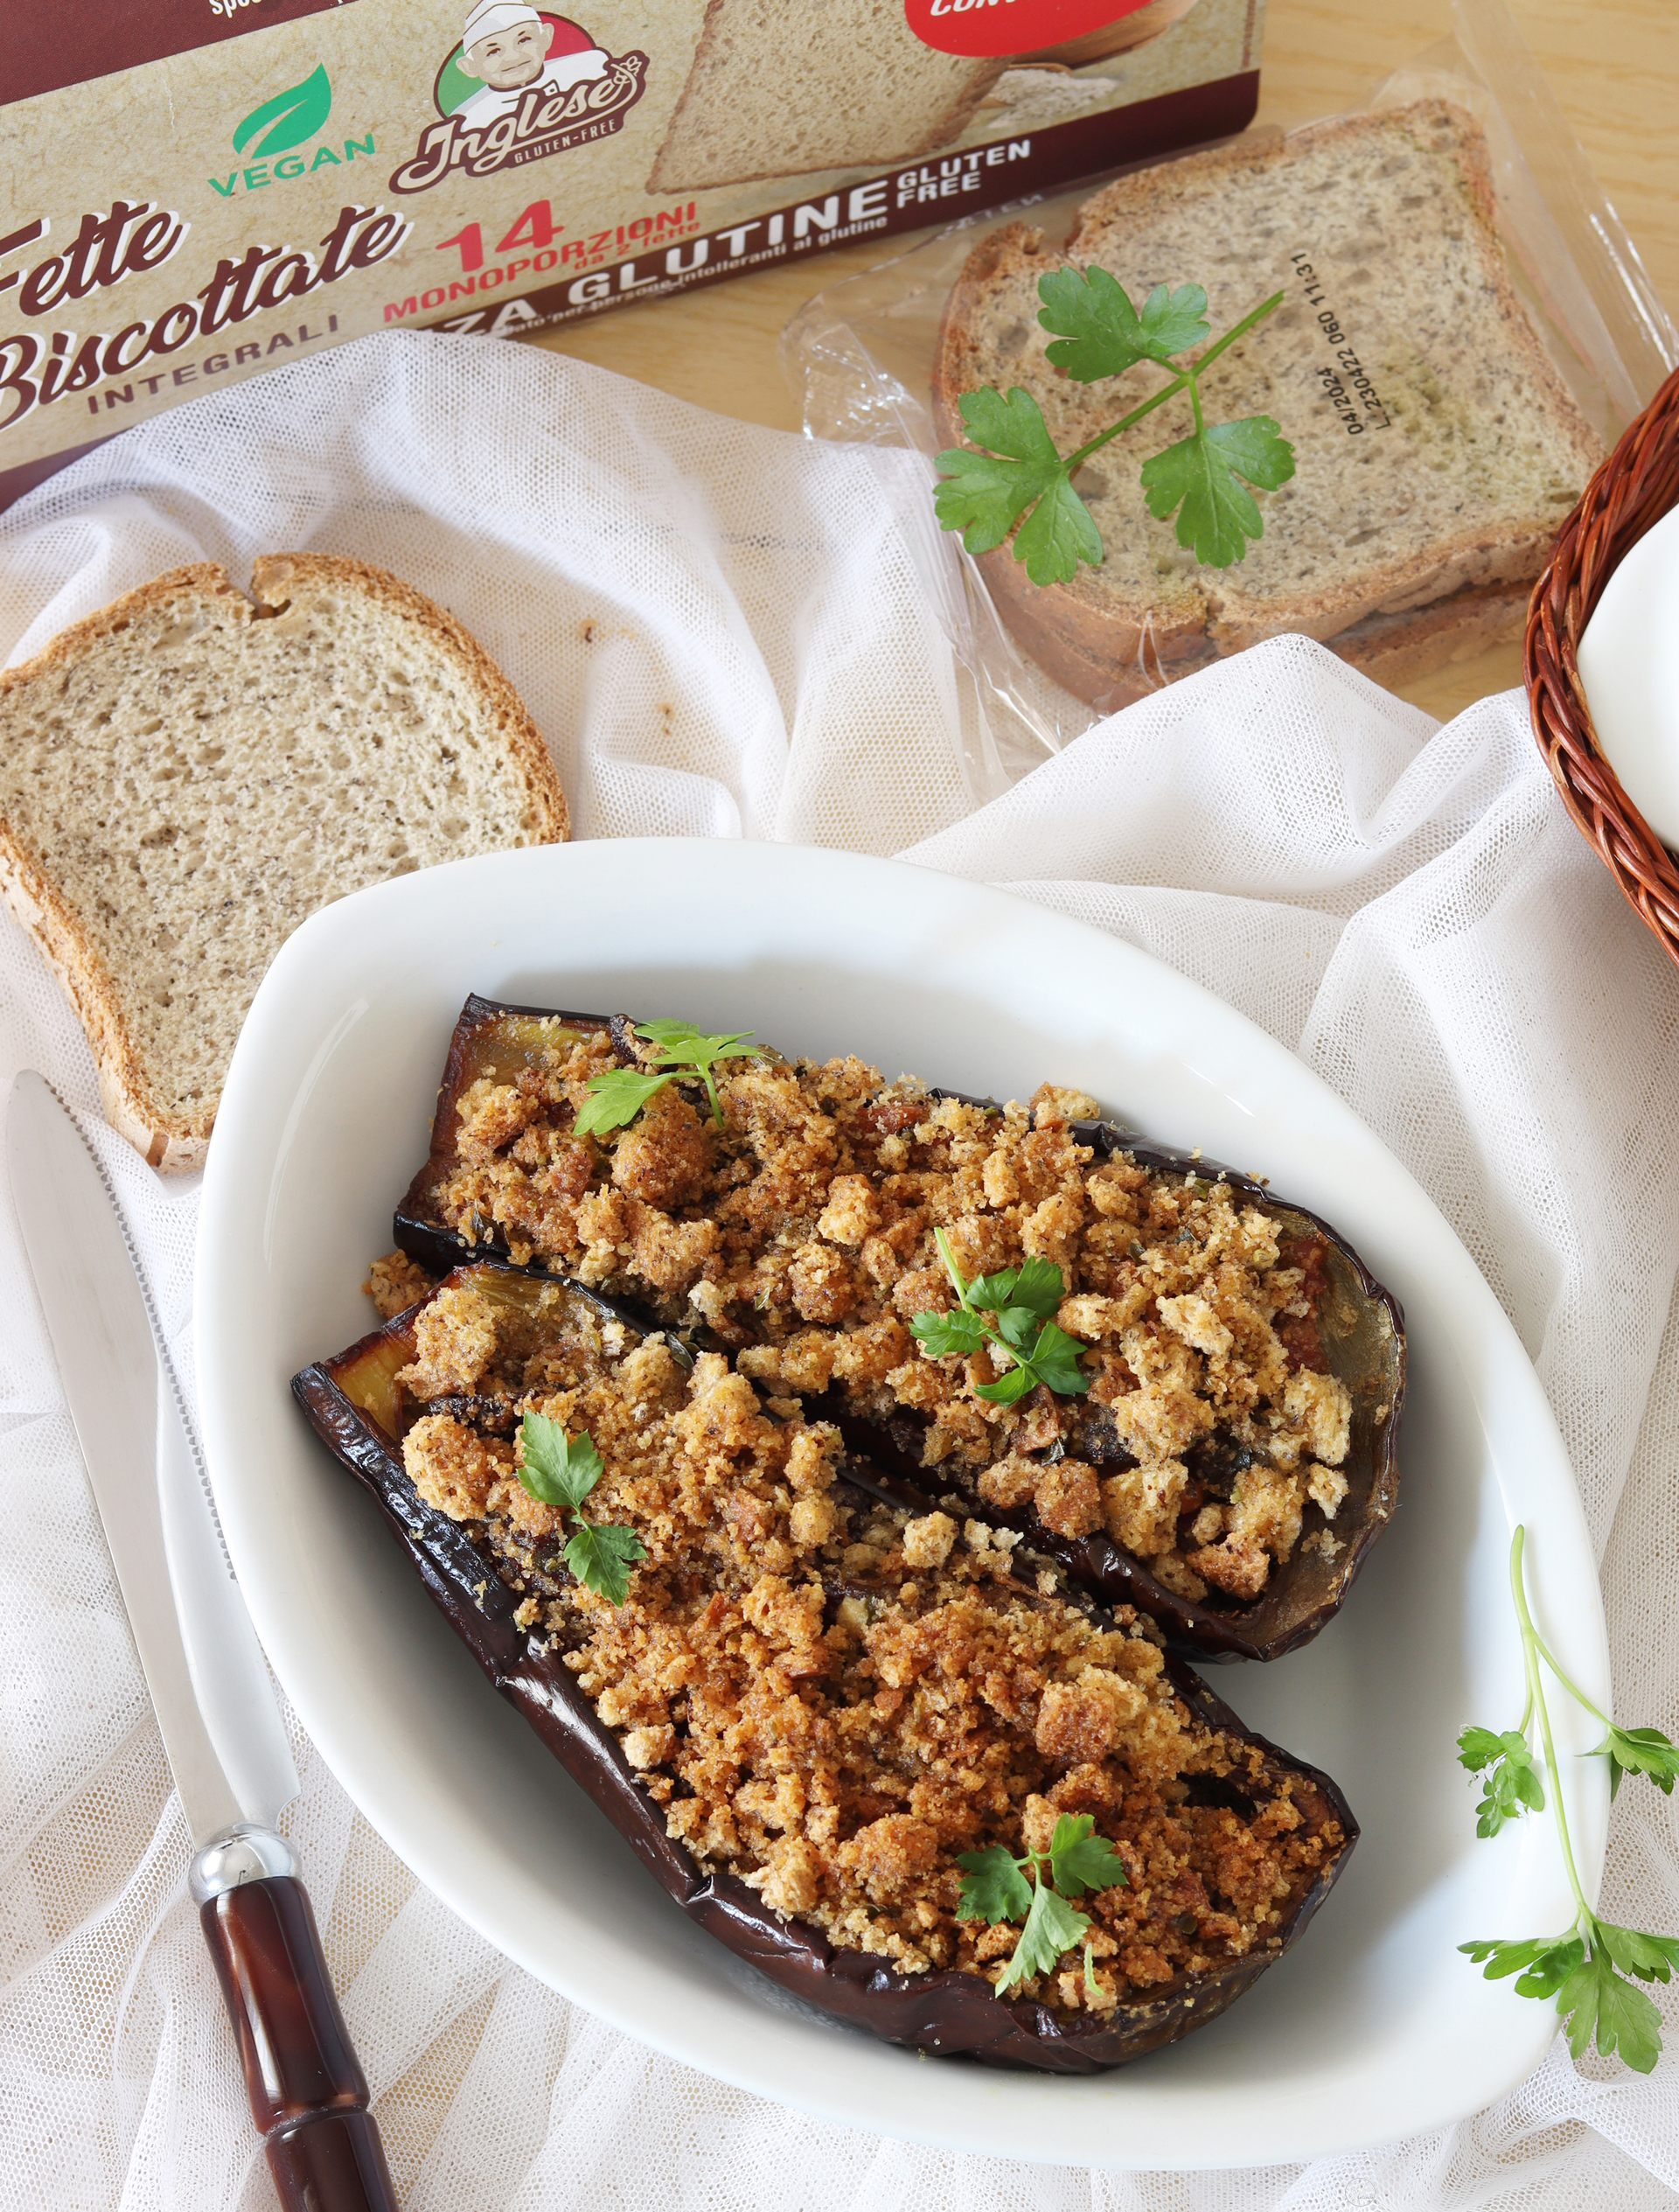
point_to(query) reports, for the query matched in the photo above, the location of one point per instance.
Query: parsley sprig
(996, 1886)
(561, 1471)
(1509, 1780)
(1010, 1310)
(618, 1097)
(1585, 1967)
(1018, 473)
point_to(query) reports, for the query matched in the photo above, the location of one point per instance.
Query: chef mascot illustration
(512, 48)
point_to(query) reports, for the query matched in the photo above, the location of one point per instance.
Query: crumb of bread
(396, 1282)
(1326, 1487)
(1173, 1573)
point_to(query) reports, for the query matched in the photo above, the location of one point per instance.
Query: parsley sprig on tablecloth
(1586, 1967)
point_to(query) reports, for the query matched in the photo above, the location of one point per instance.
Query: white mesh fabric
(726, 631)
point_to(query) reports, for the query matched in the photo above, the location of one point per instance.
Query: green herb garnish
(1638, 1751)
(619, 1095)
(1018, 477)
(994, 1886)
(561, 1471)
(1012, 1310)
(1510, 1783)
(1583, 1968)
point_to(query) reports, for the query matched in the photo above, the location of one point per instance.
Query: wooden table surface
(1614, 67)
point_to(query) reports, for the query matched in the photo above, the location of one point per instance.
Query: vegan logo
(521, 85)
(287, 119)
(291, 118)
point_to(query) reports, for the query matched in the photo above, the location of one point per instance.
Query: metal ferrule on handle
(309, 2097)
(244, 1853)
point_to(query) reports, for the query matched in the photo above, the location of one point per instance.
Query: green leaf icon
(289, 117)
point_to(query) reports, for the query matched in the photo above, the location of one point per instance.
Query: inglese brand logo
(290, 118)
(521, 85)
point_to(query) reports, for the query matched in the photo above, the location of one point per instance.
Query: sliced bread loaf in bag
(188, 774)
(774, 92)
(1437, 448)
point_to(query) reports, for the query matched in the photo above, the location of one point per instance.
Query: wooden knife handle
(308, 2095)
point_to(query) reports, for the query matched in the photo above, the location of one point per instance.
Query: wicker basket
(1632, 490)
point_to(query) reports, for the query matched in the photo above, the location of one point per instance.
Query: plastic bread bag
(1463, 326)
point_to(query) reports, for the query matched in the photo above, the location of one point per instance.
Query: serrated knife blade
(203, 1666)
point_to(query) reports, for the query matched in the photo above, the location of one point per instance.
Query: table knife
(198, 1650)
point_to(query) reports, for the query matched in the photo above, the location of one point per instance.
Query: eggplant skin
(946, 2014)
(1364, 1330)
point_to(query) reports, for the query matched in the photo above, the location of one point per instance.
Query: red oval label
(997, 27)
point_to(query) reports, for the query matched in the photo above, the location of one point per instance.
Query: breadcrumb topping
(396, 1282)
(801, 1233)
(832, 1697)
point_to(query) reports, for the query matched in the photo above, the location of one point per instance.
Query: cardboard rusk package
(196, 190)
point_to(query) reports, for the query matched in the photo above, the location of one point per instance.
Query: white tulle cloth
(726, 632)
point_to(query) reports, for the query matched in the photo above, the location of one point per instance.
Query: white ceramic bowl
(1373, 2026)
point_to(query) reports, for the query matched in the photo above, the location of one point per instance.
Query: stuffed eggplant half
(1216, 1443)
(881, 1752)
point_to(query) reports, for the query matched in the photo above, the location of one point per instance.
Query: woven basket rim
(1628, 495)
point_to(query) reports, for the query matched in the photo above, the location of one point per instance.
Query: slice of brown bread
(1402, 547)
(775, 92)
(185, 776)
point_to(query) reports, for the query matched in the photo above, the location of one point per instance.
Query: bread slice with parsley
(188, 774)
(1402, 543)
(776, 93)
